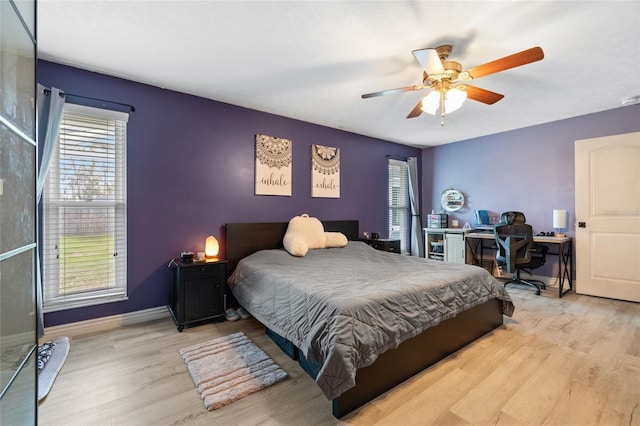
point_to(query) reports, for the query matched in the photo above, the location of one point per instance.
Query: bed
(360, 321)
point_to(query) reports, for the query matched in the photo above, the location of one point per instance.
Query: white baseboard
(104, 323)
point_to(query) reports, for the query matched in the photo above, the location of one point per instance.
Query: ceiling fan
(448, 81)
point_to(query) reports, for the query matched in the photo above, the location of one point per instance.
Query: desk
(475, 244)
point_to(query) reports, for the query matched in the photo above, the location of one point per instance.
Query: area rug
(51, 357)
(229, 368)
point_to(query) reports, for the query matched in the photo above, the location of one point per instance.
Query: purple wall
(191, 170)
(529, 170)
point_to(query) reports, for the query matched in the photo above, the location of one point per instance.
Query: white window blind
(85, 212)
(399, 207)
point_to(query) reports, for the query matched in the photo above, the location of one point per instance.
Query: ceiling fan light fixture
(453, 100)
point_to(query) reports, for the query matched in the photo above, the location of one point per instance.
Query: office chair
(517, 252)
(512, 217)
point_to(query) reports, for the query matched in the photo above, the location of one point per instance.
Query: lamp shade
(431, 103)
(559, 219)
(211, 248)
(454, 99)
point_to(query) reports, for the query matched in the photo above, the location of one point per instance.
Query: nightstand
(197, 291)
(383, 244)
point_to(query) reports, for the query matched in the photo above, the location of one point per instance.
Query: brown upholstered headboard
(243, 239)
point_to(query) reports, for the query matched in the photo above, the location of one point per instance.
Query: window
(399, 207)
(85, 211)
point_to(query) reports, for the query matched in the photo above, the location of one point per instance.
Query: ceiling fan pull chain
(443, 95)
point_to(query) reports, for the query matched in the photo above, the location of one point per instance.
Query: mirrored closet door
(18, 336)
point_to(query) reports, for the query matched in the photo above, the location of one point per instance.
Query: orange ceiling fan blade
(391, 91)
(416, 111)
(482, 95)
(517, 59)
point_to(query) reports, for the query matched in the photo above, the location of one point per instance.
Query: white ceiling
(311, 60)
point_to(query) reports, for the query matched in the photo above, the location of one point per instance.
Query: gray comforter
(342, 307)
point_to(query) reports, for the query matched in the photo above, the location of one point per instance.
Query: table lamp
(211, 247)
(559, 221)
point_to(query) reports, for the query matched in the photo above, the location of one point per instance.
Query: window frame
(399, 215)
(112, 209)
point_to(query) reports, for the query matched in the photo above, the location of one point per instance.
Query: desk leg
(565, 264)
(473, 244)
(477, 250)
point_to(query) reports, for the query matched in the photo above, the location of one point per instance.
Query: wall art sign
(325, 172)
(273, 166)
(452, 200)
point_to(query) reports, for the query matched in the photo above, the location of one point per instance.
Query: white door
(608, 216)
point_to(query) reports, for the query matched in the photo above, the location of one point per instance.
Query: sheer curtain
(50, 106)
(417, 247)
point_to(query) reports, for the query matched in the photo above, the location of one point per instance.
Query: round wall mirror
(452, 200)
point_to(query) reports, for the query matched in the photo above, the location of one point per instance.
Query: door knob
(582, 224)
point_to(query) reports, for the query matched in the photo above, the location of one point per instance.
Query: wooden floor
(569, 361)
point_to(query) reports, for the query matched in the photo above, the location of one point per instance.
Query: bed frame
(396, 365)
